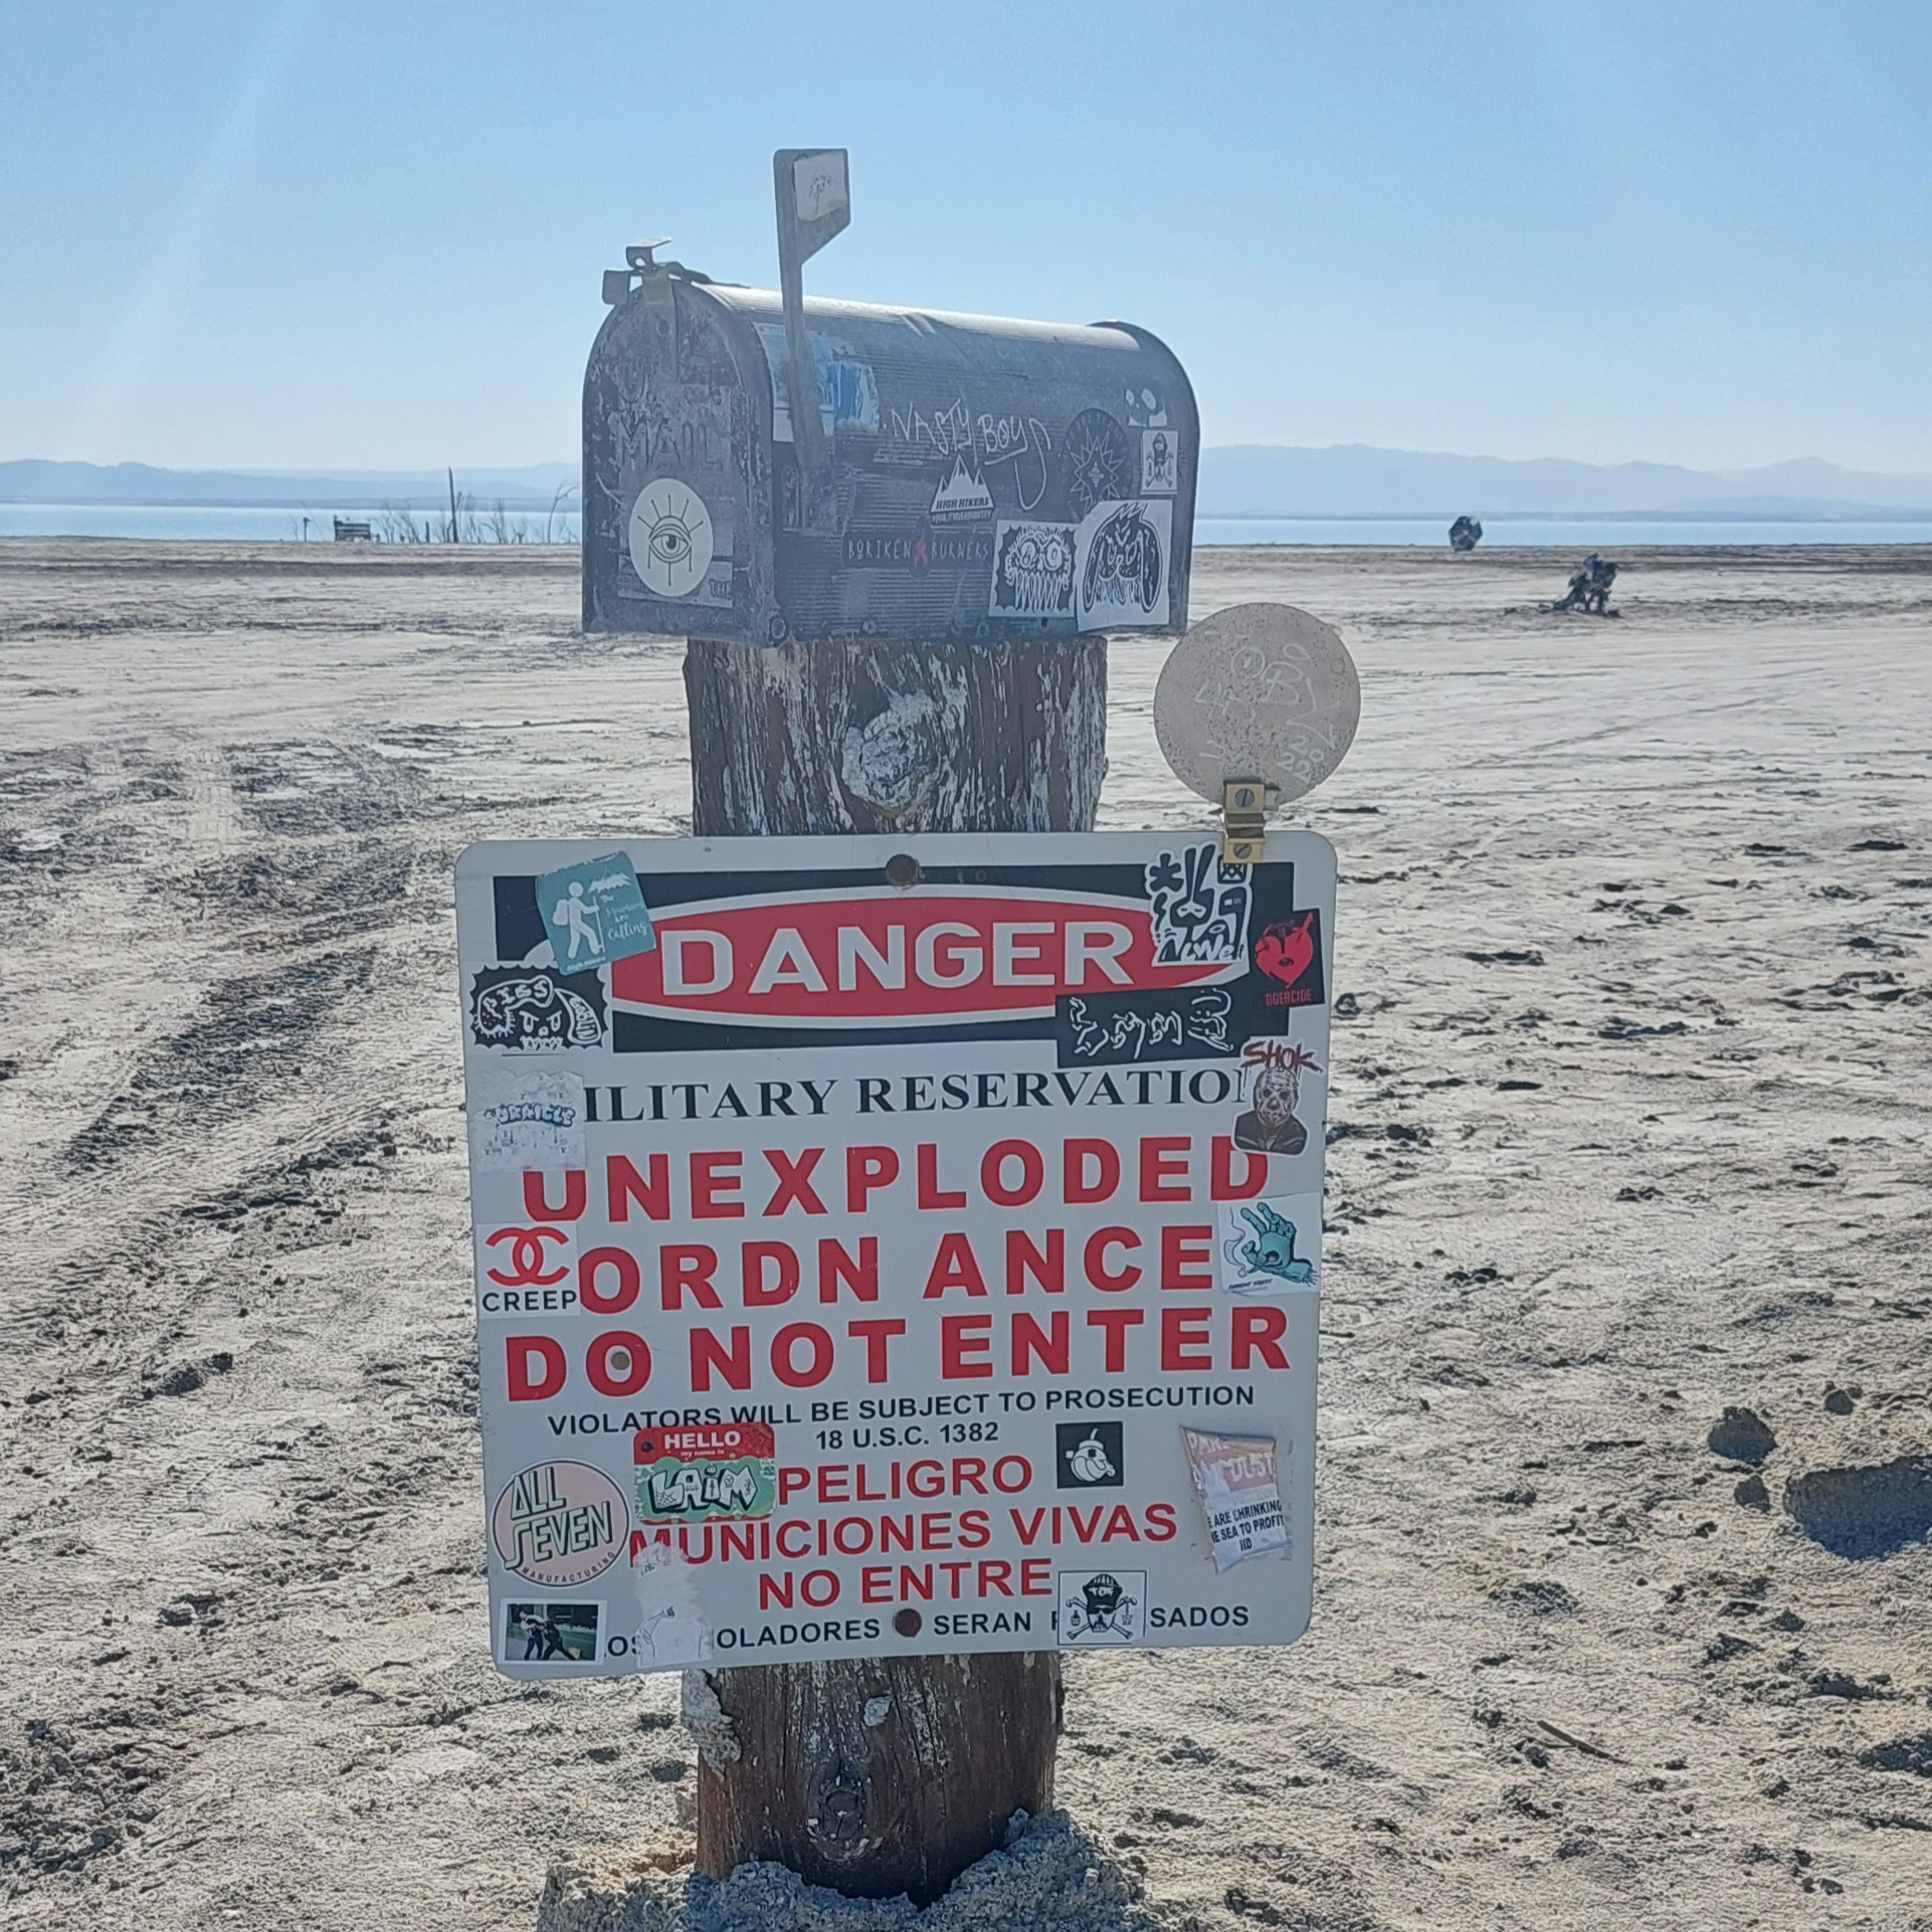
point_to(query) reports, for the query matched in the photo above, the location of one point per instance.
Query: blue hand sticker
(1271, 1250)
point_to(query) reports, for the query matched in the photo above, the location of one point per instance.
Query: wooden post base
(879, 1775)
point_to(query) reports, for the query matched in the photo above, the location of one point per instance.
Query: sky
(296, 234)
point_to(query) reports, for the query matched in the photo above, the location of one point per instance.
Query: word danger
(873, 956)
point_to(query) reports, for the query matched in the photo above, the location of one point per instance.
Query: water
(235, 523)
(1580, 534)
(254, 524)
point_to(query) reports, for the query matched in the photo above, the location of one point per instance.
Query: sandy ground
(1631, 1126)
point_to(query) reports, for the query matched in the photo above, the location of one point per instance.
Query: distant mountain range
(531, 486)
(1244, 480)
(1353, 479)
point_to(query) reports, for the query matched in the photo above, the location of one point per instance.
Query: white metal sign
(907, 1245)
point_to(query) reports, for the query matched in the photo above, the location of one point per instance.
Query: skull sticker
(1100, 1605)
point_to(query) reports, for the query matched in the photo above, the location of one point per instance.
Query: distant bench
(352, 532)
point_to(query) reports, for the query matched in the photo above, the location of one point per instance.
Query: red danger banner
(869, 957)
(869, 1267)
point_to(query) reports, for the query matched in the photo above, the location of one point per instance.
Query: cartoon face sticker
(1033, 571)
(534, 1008)
(1089, 1455)
(670, 538)
(1124, 565)
(1101, 1596)
(1286, 948)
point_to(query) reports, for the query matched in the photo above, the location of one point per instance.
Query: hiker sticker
(594, 912)
(560, 1524)
(1236, 1480)
(706, 1473)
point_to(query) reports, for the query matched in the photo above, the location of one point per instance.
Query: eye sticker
(670, 538)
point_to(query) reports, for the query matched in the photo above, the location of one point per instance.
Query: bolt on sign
(896, 1246)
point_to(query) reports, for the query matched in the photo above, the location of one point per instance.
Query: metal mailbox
(962, 476)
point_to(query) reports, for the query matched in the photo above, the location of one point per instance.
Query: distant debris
(1589, 588)
(1465, 534)
(348, 532)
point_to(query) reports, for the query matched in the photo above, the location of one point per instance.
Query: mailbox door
(677, 484)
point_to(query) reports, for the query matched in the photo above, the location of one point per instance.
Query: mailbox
(951, 477)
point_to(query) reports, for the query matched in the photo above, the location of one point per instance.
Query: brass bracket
(1244, 802)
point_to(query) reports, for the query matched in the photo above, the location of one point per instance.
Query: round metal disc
(1258, 690)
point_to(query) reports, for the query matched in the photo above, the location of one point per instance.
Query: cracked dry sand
(1629, 1127)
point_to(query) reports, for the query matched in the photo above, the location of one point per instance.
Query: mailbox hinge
(641, 263)
(1244, 803)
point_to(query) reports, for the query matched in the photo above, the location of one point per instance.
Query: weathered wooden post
(880, 1775)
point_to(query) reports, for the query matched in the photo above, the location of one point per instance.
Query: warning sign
(917, 1247)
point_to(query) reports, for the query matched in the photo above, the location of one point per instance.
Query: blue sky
(292, 234)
